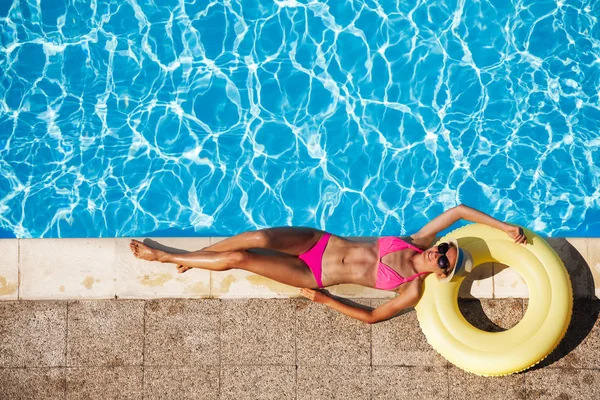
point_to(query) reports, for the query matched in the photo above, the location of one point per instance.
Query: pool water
(131, 118)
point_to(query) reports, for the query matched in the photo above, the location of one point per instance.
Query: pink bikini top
(387, 278)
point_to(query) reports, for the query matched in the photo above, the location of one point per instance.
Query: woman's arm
(408, 298)
(425, 237)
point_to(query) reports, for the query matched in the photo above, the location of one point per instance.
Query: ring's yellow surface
(531, 340)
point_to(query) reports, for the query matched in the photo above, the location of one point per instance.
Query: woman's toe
(183, 268)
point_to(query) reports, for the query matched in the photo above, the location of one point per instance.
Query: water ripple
(360, 117)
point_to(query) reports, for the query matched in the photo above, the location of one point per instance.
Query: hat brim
(463, 264)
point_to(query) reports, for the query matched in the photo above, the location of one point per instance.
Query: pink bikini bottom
(314, 258)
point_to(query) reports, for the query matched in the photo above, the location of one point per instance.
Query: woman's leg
(290, 240)
(285, 269)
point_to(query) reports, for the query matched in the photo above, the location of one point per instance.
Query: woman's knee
(261, 238)
(236, 259)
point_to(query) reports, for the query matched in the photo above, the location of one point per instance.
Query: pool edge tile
(34, 264)
(246, 284)
(593, 260)
(9, 269)
(140, 279)
(236, 284)
(508, 283)
(64, 269)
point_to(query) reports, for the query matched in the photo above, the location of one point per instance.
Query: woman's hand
(516, 232)
(314, 295)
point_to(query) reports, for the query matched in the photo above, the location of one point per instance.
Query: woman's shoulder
(417, 243)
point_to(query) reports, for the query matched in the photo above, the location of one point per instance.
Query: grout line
(220, 343)
(296, 332)
(388, 366)
(372, 373)
(295, 302)
(524, 380)
(18, 269)
(66, 345)
(448, 377)
(371, 368)
(524, 387)
(296, 382)
(67, 336)
(143, 349)
(371, 333)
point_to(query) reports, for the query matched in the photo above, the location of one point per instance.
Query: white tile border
(508, 283)
(593, 260)
(479, 284)
(105, 268)
(139, 279)
(237, 284)
(59, 269)
(9, 269)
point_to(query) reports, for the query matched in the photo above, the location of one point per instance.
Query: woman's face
(431, 258)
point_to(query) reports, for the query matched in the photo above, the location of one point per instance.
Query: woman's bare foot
(140, 250)
(182, 268)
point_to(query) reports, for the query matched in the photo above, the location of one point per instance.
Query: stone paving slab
(102, 383)
(553, 383)
(581, 346)
(32, 383)
(423, 383)
(258, 382)
(9, 269)
(340, 382)
(326, 337)
(466, 386)
(400, 341)
(182, 332)
(181, 383)
(27, 327)
(334, 357)
(105, 333)
(258, 332)
(492, 315)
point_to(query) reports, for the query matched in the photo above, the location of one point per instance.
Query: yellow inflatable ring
(499, 353)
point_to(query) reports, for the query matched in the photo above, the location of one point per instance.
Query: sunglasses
(443, 261)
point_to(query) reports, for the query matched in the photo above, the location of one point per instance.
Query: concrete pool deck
(78, 269)
(266, 349)
(107, 328)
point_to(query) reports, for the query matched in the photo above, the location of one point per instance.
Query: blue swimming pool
(130, 118)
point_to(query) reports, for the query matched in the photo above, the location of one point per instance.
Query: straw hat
(463, 264)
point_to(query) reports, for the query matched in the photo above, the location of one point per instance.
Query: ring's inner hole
(496, 314)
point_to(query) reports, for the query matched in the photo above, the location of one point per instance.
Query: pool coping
(72, 269)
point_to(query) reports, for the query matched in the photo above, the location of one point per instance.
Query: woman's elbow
(459, 210)
(371, 318)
